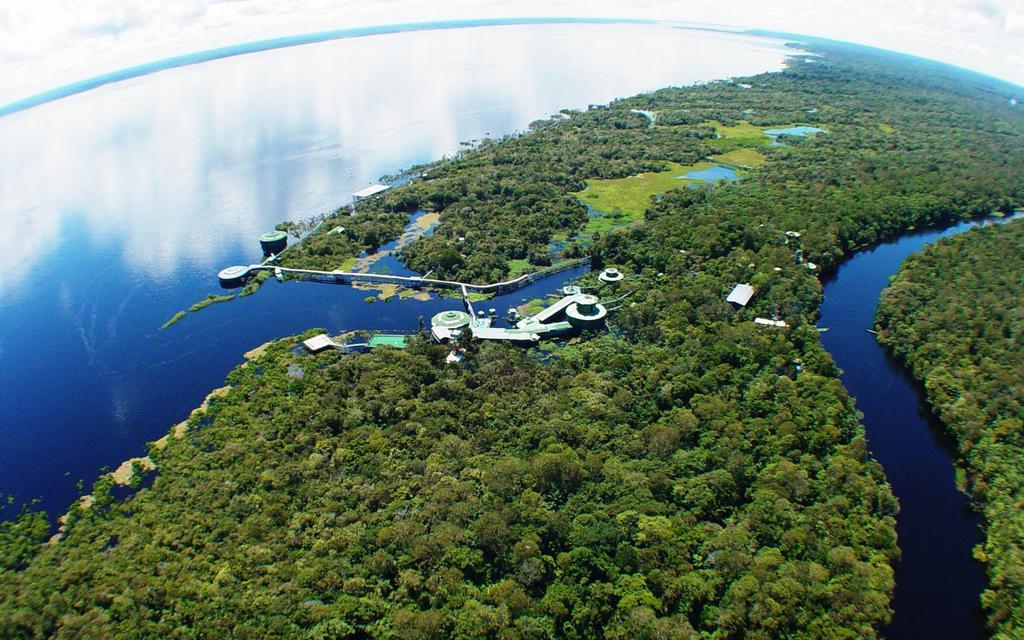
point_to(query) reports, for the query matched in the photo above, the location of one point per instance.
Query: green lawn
(741, 158)
(743, 136)
(532, 307)
(519, 267)
(625, 199)
(349, 264)
(740, 135)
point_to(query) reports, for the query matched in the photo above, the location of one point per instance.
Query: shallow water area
(794, 131)
(712, 175)
(799, 131)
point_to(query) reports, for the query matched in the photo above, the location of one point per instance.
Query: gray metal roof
(741, 294)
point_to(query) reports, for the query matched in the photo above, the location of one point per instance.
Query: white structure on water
(371, 190)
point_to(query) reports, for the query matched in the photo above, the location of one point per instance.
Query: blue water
(712, 174)
(118, 206)
(937, 582)
(794, 131)
(280, 43)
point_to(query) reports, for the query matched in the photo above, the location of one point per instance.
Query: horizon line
(282, 42)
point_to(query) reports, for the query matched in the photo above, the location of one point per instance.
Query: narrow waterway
(937, 582)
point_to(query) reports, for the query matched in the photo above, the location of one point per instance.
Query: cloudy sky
(47, 43)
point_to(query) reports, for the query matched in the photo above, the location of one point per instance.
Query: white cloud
(46, 43)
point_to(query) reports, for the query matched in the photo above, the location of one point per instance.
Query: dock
(239, 273)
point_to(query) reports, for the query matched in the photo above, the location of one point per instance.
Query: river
(119, 205)
(937, 581)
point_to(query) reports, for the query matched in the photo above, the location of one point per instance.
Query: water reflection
(187, 165)
(119, 205)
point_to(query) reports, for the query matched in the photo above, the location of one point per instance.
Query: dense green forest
(686, 475)
(910, 143)
(954, 316)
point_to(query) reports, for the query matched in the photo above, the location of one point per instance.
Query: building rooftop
(318, 343)
(741, 294)
(371, 190)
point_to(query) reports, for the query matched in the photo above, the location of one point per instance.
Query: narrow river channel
(937, 581)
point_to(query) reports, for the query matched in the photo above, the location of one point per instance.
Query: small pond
(711, 175)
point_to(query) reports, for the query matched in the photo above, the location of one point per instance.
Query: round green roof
(273, 236)
(451, 319)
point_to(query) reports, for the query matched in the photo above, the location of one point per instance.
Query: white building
(371, 190)
(740, 295)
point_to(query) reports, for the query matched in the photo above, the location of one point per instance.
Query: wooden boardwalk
(351, 277)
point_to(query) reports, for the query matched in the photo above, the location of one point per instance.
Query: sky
(47, 43)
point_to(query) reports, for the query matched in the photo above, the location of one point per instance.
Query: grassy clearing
(531, 307)
(738, 136)
(426, 221)
(414, 294)
(624, 200)
(741, 158)
(886, 128)
(349, 264)
(518, 267)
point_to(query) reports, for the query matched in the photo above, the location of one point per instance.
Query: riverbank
(949, 317)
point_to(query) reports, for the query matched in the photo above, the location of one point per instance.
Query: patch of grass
(210, 299)
(414, 294)
(518, 267)
(175, 318)
(387, 291)
(531, 307)
(741, 158)
(606, 222)
(426, 221)
(624, 200)
(886, 128)
(739, 135)
(349, 264)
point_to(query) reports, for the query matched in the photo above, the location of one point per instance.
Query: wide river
(120, 204)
